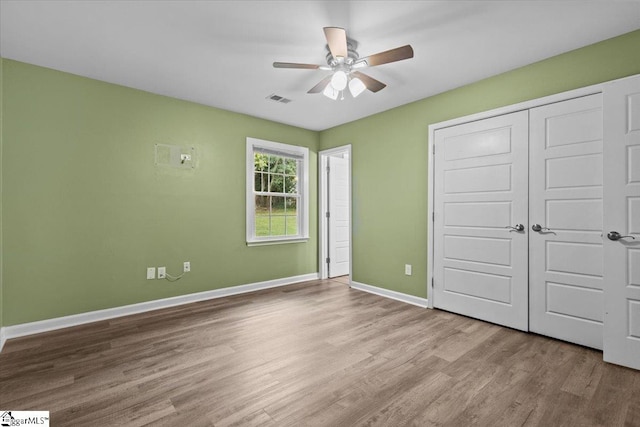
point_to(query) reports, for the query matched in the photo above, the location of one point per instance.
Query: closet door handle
(539, 228)
(518, 227)
(614, 235)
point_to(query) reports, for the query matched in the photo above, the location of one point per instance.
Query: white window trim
(303, 188)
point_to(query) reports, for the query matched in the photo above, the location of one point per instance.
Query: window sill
(277, 241)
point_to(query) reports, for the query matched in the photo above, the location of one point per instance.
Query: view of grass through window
(276, 195)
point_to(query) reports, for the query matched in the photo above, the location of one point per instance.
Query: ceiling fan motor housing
(352, 54)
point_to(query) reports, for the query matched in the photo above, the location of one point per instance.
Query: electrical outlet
(407, 269)
(187, 267)
(162, 272)
(151, 273)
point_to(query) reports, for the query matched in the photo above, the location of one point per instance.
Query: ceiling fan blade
(372, 84)
(393, 55)
(337, 41)
(320, 86)
(295, 65)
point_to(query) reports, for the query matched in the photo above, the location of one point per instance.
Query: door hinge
(328, 169)
(328, 214)
(433, 283)
(433, 148)
(433, 216)
(328, 259)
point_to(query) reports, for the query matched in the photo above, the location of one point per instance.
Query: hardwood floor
(316, 353)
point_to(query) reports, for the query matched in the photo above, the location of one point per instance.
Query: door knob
(614, 235)
(538, 228)
(518, 227)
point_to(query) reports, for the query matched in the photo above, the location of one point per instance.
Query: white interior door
(339, 235)
(565, 201)
(480, 264)
(622, 215)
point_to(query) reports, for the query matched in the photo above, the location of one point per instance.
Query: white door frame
(589, 90)
(322, 209)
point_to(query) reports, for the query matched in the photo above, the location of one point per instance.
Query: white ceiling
(219, 53)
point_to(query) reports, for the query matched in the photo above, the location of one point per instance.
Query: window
(277, 192)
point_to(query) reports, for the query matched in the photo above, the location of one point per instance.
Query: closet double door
(519, 220)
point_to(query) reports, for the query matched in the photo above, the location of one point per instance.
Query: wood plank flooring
(311, 354)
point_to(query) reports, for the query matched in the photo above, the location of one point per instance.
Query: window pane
(260, 162)
(262, 226)
(277, 216)
(277, 225)
(262, 205)
(292, 225)
(291, 166)
(276, 164)
(277, 205)
(291, 212)
(277, 183)
(262, 216)
(260, 182)
(291, 184)
(291, 204)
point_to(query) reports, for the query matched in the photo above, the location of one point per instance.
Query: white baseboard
(31, 328)
(398, 296)
(2, 338)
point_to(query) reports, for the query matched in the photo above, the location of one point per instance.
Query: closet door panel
(480, 264)
(622, 214)
(565, 200)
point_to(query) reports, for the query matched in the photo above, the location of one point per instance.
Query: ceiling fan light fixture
(339, 80)
(344, 61)
(356, 87)
(330, 92)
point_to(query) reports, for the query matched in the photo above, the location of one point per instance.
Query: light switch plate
(151, 273)
(407, 269)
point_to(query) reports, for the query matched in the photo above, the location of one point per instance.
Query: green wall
(86, 211)
(390, 155)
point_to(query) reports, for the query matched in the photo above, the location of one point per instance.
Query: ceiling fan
(343, 60)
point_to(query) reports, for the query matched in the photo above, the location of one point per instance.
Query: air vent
(278, 98)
